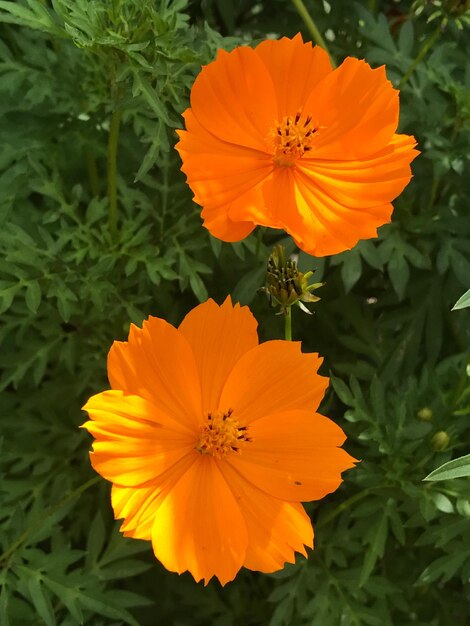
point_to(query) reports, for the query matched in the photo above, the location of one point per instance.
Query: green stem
(288, 324)
(47, 513)
(112, 170)
(312, 27)
(427, 45)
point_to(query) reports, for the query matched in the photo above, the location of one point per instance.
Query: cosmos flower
(211, 441)
(275, 137)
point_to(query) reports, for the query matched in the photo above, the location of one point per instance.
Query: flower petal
(218, 171)
(157, 364)
(356, 110)
(233, 98)
(366, 183)
(273, 377)
(138, 505)
(318, 222)
(223, 176)
(134, 441)
(276, 529)
(199, 527)
(295, 68)
(294, 456)
(219, 336)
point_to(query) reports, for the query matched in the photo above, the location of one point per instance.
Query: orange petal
(134, 441)
(236, 220)
(157, 364)
(218, 171)
(219, 336)
(222, 176)
(356, 110)
(199, 527)
(294, 456)
(318, 222)
(138, 505)
(233, 98)
(367, 183)
(338, 227)
(221, 226)
(276, 529)
(274, 376)
(295, 68)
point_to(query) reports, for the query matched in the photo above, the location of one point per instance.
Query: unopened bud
(440, 441)
(285, 284)
(425, 414)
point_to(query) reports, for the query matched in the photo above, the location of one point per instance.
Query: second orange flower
(276, 137)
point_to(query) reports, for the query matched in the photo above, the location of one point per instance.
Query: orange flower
(275, 137)
(211, 442)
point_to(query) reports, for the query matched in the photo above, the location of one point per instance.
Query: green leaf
(351, 269)
(198, 287)
(399, 273)
(406, 38)
(69, 598)
(4, 606)
(342, 391)
(33, 296)
(95, 540)
(376, 547)
(463, 302)
(41, 600)
(458, 468)
(6, 297)
(143, 87)
(99, 603)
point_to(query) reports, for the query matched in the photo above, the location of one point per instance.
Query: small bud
(285, 284)
(425, 414)
(440, 441)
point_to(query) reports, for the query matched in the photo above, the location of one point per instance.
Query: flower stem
(45, 514)
(312, 27)
(427, 45)
(112, 170)
(288, 324)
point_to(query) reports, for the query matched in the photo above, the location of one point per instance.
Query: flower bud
(440, 441)
(425, 414)
(285, 284)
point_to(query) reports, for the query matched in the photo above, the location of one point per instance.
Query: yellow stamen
(221, 434)
(291, 138)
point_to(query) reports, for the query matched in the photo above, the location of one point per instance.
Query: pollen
(291, 138)
(221, 435)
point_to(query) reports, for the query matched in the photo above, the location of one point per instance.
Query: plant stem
(312, 27)
(47, 513)
(288, 324)
(427, 45)
(112, 170)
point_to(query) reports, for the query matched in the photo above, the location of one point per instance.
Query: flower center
(291, 138)
(221, 434)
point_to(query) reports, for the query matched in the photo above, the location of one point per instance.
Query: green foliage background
(390, 549)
